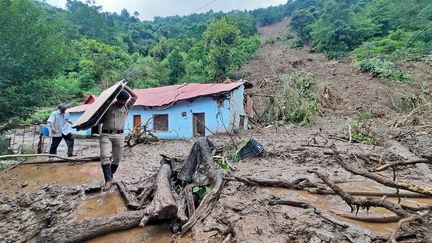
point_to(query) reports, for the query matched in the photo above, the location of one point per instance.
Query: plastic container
(45, 131)
(251, 149)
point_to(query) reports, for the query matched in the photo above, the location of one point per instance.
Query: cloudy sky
(151, 8)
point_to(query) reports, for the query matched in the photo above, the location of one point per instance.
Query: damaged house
(182, 111)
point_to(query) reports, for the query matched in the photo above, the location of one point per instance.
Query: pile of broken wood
(167, 196)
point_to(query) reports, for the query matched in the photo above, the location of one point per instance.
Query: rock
(314, 239)
(5, 208)
(54, 203)
(24, 184)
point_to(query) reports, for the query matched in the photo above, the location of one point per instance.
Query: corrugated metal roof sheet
(161, 96)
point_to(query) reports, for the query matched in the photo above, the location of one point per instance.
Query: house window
(160, 122)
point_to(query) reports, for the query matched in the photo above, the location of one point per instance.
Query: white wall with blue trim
(219, 117)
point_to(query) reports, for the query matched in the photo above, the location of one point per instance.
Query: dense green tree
(100, 62)
(176, 66)
(220, 35)
(89, 20)
(30, 49)
(301, 19)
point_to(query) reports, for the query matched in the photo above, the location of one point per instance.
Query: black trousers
(69, 139)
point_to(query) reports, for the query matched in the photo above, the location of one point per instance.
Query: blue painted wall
(74, 118)
(220, 116)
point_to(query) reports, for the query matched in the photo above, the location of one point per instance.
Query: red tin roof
(81, 108)
(161, 96)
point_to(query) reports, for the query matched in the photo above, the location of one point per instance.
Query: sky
(151, 8)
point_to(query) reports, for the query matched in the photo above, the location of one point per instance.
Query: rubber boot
(107, 176)
(114, 168)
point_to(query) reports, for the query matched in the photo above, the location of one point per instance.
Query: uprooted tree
(404, 214)
(169, 197)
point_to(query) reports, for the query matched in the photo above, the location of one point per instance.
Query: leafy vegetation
(3, 147)
(376, 33)
(383, 69)
(201, 191)
(359, 130)
(297, 103)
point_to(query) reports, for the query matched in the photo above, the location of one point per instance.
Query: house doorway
(137, 124)
(199, 124)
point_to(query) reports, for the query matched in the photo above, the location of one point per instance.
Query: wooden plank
(95, 112)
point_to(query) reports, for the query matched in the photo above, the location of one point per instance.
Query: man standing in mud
(112, 138)
(61, 128)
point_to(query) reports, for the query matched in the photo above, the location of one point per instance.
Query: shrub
(297, 104)
(358, 129)
(383, 69)
(289, 36)
(3, 146)
(297, 44)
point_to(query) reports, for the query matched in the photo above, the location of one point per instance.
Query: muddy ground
(242, 213)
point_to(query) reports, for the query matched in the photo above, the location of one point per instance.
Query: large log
(200, 170)
(90, 228)
(163, 205)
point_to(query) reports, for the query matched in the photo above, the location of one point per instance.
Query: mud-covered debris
(25, 216)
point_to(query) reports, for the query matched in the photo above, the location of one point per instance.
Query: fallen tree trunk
(204, 173)
(380, 179)
(206, 205)
(44, 155)
(90, 228)
(144, 196)
(163, 205)
(360, 202)
(168, 198)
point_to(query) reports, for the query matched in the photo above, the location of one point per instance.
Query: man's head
(123, 97)
(62, 107)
